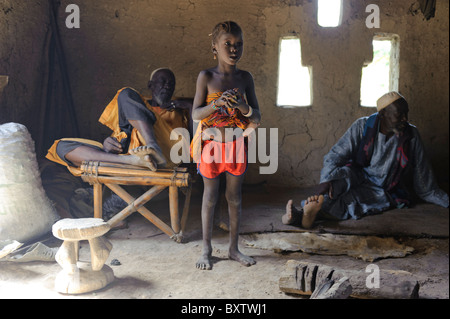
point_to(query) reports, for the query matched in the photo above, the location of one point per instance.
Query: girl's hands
(230, 98)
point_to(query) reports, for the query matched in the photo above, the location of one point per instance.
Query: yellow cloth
(175, 118)
(53, 156)
(110, 118)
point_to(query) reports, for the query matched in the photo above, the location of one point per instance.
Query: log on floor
(302, 278)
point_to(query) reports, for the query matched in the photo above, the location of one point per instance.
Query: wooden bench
(113, 175)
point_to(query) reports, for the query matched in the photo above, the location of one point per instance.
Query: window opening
(329, 13)
(381, 75)
(294, 79)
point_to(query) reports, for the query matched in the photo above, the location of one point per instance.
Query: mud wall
(23, 30)
(120, 42)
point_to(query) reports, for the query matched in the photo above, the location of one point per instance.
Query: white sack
(25, 211)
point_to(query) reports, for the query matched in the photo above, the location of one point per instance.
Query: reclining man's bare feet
(312, 207)
(149, 157)
(292, 214)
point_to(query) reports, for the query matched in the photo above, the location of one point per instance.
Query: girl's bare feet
(241, 258)
(204, 262)
(312, 207)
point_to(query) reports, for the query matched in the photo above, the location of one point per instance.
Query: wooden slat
(98, 200)
(137, 205)
(173, 207)
(130, 180)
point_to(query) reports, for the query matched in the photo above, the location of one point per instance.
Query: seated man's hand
(111, 145)
(177, 104)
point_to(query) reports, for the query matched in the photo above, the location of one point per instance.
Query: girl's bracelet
(214, 105)
(250, 112)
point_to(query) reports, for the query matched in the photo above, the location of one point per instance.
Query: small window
(294, 80)
(381, 75)
(329, 13)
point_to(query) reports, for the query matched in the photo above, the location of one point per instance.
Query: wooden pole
(115, 169)
(135, 180)
(137, 205)
(98, 200)
(173, 207)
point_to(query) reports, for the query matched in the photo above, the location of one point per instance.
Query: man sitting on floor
(366, 170)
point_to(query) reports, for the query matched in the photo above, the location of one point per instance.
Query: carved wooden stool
(77, 277)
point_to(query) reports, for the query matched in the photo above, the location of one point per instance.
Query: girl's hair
(225, 27)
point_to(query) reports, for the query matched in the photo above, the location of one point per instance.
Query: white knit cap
(387, 99)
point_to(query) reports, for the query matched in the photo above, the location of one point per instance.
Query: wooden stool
(78, 278)
(112, 175)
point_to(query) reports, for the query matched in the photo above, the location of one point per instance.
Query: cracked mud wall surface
(120, 42)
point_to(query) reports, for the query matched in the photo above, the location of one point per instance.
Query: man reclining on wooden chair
(141, 128)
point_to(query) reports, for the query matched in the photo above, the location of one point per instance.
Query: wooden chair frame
(112, 175)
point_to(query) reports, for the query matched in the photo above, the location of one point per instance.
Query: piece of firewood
(393, 284)
(332, 289)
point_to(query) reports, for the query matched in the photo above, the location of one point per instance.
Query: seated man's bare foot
(241, 258)
(204, 262)
(292, 214)
(312, 207)
(148, 157)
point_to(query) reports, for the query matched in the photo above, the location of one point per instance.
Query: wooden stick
(98, 200)
(120, 165)
(129, 170)
(133, 202)
(131, 180)
(115, 171)
(173, 207)
(138, 205)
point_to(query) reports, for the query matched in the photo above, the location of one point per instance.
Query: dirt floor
(154, 266)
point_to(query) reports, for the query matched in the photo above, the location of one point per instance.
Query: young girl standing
(225, 100)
